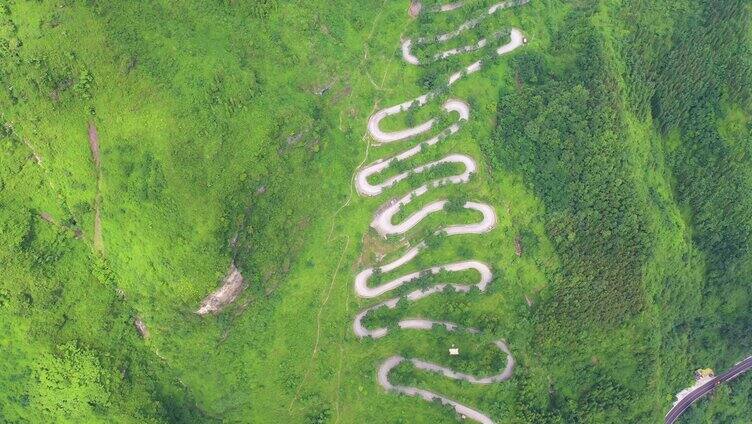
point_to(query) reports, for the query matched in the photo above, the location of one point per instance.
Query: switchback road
(367, 184)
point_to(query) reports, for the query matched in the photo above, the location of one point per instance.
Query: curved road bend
(464, 411)
(384, 225)
(681, 406)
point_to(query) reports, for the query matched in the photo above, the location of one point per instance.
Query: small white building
(454, 351)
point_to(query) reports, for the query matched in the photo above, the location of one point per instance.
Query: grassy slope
(187, 140)
(195, 116)
(69, 350)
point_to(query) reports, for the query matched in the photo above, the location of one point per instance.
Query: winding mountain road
(687, 401)
(387, 366)
(383, 219)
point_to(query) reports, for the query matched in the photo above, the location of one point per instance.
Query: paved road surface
(735, 371)
(387, 366)
(383, 218)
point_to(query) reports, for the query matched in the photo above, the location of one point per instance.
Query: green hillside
(615, 147)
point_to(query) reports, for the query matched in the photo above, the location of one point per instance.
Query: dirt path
(37, 158)
(331, 238)
(94, 147)
(382, 221)
(77, 232)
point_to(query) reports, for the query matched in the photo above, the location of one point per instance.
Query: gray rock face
(232, 285)
(141, 327)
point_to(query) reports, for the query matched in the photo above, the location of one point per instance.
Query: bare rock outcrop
(415, 8)
(141, 327)
(518, 245)
(232, 285)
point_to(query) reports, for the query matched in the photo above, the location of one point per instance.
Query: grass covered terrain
(614, 147)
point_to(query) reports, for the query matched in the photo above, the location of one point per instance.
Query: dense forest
(571, 132)
(147, 147)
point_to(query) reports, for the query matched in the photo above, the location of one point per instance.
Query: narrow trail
(383, 219)
(94, 146)
(331, 238)
(46, 173)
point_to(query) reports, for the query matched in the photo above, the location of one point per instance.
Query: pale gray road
(384, 217)
(681, 406)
